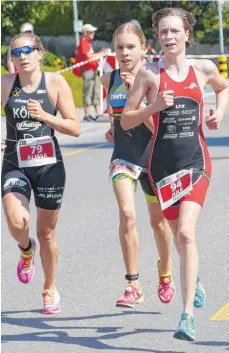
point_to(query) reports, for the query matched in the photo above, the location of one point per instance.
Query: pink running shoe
(166, 288)
(133, 295)
(51, 302)
(26, 268)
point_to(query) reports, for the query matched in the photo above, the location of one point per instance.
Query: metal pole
(75, 12)
(221, 42)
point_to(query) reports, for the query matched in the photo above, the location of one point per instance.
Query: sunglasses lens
(15, 52)
(25, 50)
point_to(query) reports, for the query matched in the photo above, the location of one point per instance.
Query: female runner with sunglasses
(180, 165)
(32, 158)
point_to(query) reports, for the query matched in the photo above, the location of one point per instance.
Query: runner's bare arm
(3, 93)
(145, 84)
(148, 123)
(70, 124)
(129, 81)
(219, 84)
(132, 116)
(6, 86)
(105, 81)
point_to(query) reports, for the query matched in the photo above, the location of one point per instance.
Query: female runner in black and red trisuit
(179, 166)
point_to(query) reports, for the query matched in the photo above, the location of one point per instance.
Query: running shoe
(88, 118)
(98, 116)
(51, 300)
(186, 329)
(200, 295)
(133, 295)
(26, 268)
(166, 287)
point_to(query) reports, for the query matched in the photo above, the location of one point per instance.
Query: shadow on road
(55, 335)
(87, 145)
(217, 141)
(219, 158)
(211, 142)
(213, 344)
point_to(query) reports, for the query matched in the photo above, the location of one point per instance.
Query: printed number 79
(38, 148)
(176, 185)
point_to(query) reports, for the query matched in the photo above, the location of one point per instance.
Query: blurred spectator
(25, 28)
(89, 71)
(150, 50)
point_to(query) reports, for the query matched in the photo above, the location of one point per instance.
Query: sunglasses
(26, 50)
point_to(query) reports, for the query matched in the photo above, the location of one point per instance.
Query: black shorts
(145, 184)
(47, 183)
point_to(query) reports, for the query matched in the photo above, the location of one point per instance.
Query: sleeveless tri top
(132, 145)
(19, 124)
(179, 142)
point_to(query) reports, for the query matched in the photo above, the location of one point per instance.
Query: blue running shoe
(186, 329)
(200, 296)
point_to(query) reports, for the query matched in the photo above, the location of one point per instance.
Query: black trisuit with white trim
(47, 181)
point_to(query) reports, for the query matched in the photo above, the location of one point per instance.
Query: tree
(48, 17)
(56, 17)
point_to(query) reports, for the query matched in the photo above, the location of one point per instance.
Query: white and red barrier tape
(82, 63)
(156, 56)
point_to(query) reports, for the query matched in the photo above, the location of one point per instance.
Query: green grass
(76, 84)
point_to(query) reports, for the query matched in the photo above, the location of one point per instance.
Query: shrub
(3, 49)
(49, 59)
(52, 60)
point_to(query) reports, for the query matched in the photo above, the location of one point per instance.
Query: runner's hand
(165, 99)
(35, 110)
(109, 135)
(128, 80)
(214, 119)
(3, 146)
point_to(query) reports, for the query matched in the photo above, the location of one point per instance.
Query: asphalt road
(91, 271)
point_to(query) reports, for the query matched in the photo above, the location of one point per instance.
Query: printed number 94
(37, 149)
(176, 185)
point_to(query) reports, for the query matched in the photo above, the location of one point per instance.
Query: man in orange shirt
(89, 71)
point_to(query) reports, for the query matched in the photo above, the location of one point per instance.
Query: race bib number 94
(174, 187)
(36, 151)
(119, 166)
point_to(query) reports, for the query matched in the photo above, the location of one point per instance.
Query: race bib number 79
(36, 151)
(174, 187)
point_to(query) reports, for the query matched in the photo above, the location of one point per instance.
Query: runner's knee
(128, 217)
(159, 225)
(18, 223)
(185, 237)
(46, 235)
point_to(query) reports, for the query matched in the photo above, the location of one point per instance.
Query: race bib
(119, 166)
(36, 151)
(174, 187)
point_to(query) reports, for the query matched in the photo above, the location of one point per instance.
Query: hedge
(76, 84)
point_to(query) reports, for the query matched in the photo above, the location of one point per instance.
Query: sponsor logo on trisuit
(191, 86)
(186, 134)
(119, 96)
(14, 182)
(28, 125)
(171, 129)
